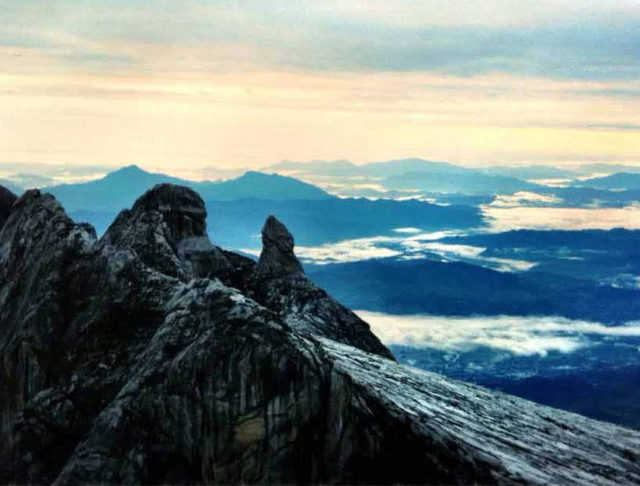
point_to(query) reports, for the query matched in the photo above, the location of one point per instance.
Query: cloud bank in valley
(418, 245)
(518, 335)
(543, 218)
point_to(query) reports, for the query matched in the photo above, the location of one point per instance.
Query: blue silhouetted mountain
(343, 168)
(114, 191)
(398, 167)
(617, 182)
(532, 172)
(465, 181)
(600, 168)
(257, 185)
(419, 174)
(120, 189)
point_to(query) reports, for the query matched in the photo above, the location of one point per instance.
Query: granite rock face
(120, 368)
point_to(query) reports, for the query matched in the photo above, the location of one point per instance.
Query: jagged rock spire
(277, 258)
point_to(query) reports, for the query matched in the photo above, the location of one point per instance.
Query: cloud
(110, 80)
(417, 246)
(523, 198)
(348, 251)
(575, 40)
(544, 218)
(466, 253)
(57, 174)
(518, 335)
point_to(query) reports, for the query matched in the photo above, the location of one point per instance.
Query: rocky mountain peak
(277, 258)
(7, 198)
(167, 227)
(113, 371)
(182, 210)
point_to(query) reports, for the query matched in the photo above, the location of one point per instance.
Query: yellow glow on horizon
(258, 118)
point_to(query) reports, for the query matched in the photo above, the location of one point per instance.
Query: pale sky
(197, 84)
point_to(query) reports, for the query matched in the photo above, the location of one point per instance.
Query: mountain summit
(151, 357)
(167, 229)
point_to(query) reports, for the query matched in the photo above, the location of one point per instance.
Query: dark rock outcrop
(117, 369)
(166, 227)
(7, 198)
(277, 258)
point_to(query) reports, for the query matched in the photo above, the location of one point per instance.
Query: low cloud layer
(518, 335)
(418, 245)
(523, 198)
(543, 218)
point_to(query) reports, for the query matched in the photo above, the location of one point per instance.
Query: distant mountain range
(120, 188)
(461, 182)
(402, 166)
(419, 175)
(388, 179)
(237, 207)
(378, 170)
(533, 172)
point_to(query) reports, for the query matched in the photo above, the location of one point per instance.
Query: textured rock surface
(310, 310)
(120, 368)
(7, 198)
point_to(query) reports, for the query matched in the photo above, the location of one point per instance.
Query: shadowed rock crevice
(7, 198)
